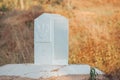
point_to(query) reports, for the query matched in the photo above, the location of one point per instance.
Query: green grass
(93, 74)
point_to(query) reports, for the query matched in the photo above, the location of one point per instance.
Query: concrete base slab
(44, 71)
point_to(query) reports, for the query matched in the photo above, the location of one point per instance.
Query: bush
(4, 8)
(58, 1)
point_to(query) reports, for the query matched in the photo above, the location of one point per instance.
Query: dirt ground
(67, 77)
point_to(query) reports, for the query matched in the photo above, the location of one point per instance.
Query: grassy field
(94, 32)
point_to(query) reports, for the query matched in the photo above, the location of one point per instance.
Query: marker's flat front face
(42, 37)
(42, 30)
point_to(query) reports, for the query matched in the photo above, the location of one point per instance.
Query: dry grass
(16, 43)
(94, 32)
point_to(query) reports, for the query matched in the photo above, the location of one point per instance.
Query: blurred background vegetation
(26, 4)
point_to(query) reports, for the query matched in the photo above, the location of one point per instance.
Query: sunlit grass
(97, 43)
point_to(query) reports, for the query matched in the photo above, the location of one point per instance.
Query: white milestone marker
(51, 40)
